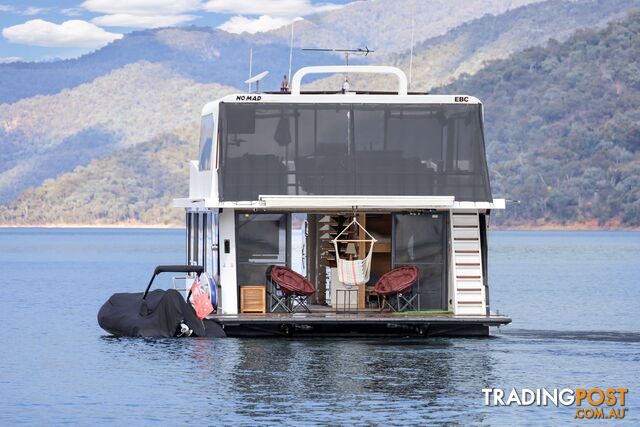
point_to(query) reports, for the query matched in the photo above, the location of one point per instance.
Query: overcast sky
(35, 30)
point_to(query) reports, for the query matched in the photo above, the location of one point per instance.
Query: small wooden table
(253, 299)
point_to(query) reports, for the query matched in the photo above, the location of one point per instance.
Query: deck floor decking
(368, 323)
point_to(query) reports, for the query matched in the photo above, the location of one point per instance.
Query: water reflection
(321, 381)
(374, 375)
(613, 336)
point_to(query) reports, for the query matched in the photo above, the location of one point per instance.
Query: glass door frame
(444, 304)
(238, 217)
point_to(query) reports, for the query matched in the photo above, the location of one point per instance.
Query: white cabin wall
(228, 276)
(200, 182)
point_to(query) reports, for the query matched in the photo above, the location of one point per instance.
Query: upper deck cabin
(277, 150)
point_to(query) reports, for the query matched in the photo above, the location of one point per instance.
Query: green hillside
(563, 128)
(201, 54)
(205, 54)
(45, 136)
(469, 47)
(385, 25)
(135, 185)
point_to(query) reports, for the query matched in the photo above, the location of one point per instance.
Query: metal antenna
(250, 66)
(291, 50)
(411, 54)
(360, 51)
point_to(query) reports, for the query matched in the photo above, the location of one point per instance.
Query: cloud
(271, 8)
(72, 11)
(73, 33)
(29, 11)
(273, 14)
(32, 10)
(241, 24)
(138, 21)
(10, 59)
(142, 7)
(142, 13)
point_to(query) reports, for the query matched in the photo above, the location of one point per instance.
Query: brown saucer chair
(395, 287)
(287, 289)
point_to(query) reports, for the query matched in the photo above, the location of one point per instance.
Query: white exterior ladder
(467, 275)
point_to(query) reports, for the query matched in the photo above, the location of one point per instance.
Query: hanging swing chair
(354, 272)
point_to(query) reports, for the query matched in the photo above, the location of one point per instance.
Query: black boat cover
(159, 315)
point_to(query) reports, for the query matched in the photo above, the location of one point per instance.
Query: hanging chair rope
(356, 272)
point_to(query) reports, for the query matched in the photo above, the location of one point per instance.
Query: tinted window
(206, 142)
(262, 241)
(363, 149)
(421, 241)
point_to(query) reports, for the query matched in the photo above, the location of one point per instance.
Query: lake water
(574, 298)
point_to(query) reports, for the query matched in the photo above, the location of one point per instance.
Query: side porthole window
(206, 142)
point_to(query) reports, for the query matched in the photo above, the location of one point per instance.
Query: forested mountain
(211, 55)
(467, 48)
(200, 54)
(385, 25)
(134, 186)
(563, 128)
(45, 136)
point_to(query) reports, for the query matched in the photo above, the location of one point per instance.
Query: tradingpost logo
(590, 403)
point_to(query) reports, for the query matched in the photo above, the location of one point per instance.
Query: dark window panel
(358, 149)
(206, 142)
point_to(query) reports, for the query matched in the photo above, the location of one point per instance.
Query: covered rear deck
(362, 324)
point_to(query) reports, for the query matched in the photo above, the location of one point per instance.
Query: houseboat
(343, 213)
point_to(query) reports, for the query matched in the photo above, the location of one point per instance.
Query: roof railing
(333, 69)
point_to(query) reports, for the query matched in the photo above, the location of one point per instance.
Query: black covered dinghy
(160, 313)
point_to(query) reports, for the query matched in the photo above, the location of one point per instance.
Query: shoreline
(545, 227)
(555, 227)
(98, 226)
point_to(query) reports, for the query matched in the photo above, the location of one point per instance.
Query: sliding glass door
(421, 240)
(262, 240)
